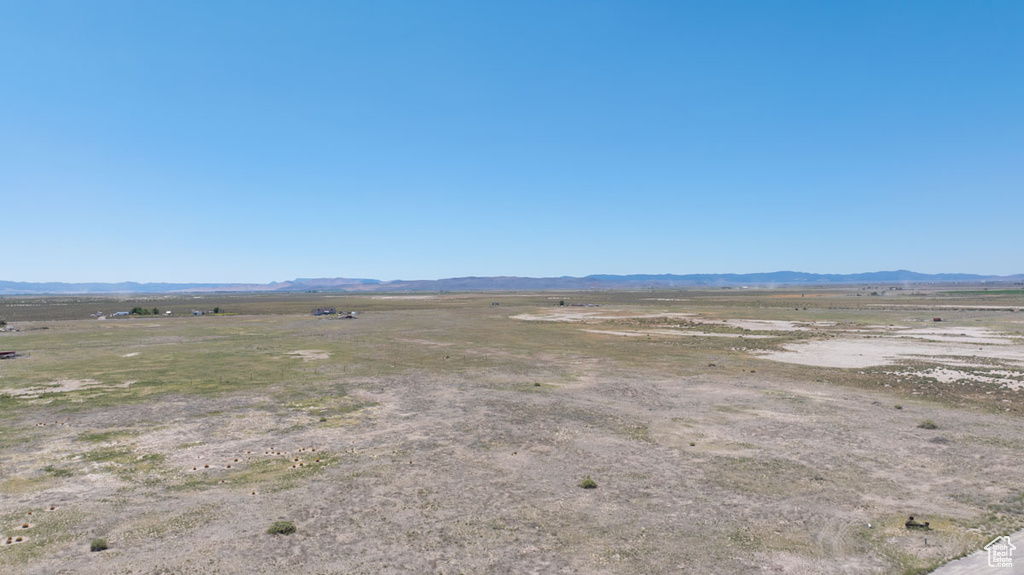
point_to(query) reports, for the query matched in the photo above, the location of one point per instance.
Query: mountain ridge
(507, 283)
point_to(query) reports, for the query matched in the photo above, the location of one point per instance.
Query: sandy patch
(954, 307)
(404, 297)
(862, 352)
(574, 315)
(960, 335)
(590, 316)
(556, 316)
(665, 299)
(622, 333)
(310, 354)
(426, 342)
(133, 354)
(62, 386)
(1008, 378)
(766, 325)
(677, 333)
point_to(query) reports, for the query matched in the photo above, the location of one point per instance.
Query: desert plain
(788, 430)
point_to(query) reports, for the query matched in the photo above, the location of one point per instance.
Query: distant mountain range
(509, 283)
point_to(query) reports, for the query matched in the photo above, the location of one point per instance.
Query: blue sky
(259, 141)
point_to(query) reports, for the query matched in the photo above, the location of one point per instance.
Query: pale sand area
(861, 352)
(952, 347)
(404, 297)
(676, 333)
(585, 316)
(581, 316)
(310, 354)
(63, 386)
(766, 324)
(973, 335)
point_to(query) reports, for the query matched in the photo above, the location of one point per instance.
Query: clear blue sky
(261, 141)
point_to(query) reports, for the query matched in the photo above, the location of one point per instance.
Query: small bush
(588, 483)
(98, 545)
(282, 528)
(898, 406)
(927, 424)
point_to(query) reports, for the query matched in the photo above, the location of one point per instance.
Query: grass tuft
(98, 545)
(57, 471)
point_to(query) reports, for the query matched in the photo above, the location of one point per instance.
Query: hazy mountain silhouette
(510, 283)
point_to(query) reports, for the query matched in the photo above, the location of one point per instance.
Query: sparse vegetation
(396, 425)
(58, 471)
(98, 545)
(928, 424)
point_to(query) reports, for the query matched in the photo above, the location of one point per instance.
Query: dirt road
(977, 563)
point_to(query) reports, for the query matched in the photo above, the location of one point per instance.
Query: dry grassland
(727, 432)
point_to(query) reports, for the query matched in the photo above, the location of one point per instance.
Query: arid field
(727, 431)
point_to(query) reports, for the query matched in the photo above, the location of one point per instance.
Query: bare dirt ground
(310, 354)
(453, 439)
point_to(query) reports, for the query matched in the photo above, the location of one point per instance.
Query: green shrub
(898, 406)
(282, 528)
(588, 483)
(927, 424)
(98, 545)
